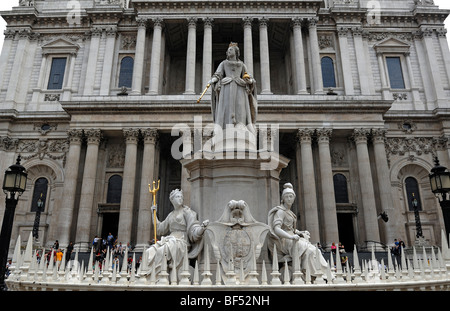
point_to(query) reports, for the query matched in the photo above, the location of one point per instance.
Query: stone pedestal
(218, 177)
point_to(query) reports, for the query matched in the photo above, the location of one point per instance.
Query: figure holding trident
(153, 191)
(180, 231)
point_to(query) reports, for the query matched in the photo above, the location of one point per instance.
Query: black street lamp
(440, 186)
(14, 184)
(415, 204)
(37, 219)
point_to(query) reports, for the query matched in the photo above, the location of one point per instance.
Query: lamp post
(417, 217)
(440, 186)
(14, 184)
(37, 219)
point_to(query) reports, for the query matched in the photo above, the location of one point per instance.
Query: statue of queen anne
(233, 99)
(180, 231)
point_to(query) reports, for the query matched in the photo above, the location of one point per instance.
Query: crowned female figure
(233, 99)
(180, 231)
(289, 241)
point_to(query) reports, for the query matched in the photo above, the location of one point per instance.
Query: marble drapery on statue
(180, 231)
(289, 241)
(233, 100)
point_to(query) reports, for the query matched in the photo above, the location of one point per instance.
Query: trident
(153, 191)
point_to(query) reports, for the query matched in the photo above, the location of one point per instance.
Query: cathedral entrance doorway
(346, 230)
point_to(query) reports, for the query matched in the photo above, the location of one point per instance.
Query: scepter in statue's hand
(201, 96)
(153, 191)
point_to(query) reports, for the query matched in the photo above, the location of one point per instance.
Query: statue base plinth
(220, 176)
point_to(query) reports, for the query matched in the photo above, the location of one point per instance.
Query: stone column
(304, 137)
(144, 234)
(156, 55)
(248, 44)
(128, 186)
(384, 84)
(96, 34)
(315, 56)
(443, 43)
(384, 186)
(346, 68)
(111, 34)
(360, 137)
(6, 50)
(138, 69)
(326, 181)
(65, 211)
(18, 80)
(414, 89)
(299, 57)
(431, 59)
(84, 237)
(207, 51)
(264, 56)
(361, 59)
(191, 56)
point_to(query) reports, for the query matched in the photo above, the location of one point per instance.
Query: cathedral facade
(358, 91)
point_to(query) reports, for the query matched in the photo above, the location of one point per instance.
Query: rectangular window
(395, 72)
(55, 81)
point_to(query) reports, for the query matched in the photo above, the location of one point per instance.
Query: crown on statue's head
(233, 44)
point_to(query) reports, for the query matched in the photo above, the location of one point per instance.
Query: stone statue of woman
(233, 99)
(180, 231)
(289, 241)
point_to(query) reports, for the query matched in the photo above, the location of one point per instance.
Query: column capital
(75, 136)
(312, 21)
(360, 135)
(142, 22)
(379, 135)
(192, 21)
(247, 21)
(342, 31)
(324, 135)
(208, 22)
(93, 136)
(263, 21)
(150, 135)
(131, 135)
(304, 135)
(297, 22)
(158, 22)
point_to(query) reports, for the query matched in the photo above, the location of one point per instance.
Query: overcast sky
(6, 5)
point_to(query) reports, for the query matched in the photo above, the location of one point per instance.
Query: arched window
(39, 194)
(412, 193)
(114, 189)
(126, 71)
(328, 75)
(340, 188)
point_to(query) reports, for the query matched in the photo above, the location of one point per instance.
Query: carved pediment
(392, 45)
(60, 46)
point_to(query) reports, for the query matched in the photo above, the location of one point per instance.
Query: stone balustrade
(424, 271)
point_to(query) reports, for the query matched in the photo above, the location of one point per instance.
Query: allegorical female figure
(233, 99)
(289, 241)
(180, 231)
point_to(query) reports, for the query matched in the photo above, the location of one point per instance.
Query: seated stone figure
(180, 231)
(289, 241)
